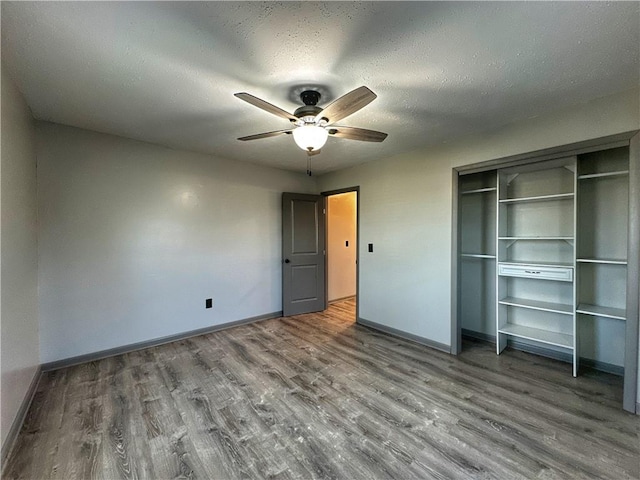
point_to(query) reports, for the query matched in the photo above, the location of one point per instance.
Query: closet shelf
(603, 174)
(537, 264)
(539, 335)
(539, 198)
(479, 190)
(568, 239)
(598, 311)
(605, 261)
(562, 308)
(477, 255)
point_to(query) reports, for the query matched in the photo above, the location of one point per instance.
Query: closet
(601, 259)
(477, 213)
(542, 257)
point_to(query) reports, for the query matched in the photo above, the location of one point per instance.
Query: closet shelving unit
(536, 225)
(477, 199)
(543, 256)
(603, 192)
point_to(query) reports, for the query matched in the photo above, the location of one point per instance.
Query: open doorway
(342, 251)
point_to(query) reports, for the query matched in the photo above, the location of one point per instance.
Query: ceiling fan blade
(353, 133)
(346, 105)
(264, 135)
(257, 102)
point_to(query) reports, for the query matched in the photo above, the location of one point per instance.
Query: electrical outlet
(208, 303)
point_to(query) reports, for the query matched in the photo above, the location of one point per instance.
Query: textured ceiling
(166, 72)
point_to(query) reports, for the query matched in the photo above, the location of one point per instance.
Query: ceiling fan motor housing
(307, 111)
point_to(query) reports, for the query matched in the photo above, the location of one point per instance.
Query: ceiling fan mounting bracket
(310, 97)
(295, 92)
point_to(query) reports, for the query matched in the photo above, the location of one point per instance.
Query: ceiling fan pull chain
(309, 166)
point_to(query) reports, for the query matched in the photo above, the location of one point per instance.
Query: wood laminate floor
(316, 396)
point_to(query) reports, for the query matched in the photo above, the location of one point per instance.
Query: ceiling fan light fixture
(310, 137)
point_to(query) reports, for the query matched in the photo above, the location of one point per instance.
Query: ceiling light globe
(310, 137)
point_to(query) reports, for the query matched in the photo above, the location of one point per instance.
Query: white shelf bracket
(511, 178)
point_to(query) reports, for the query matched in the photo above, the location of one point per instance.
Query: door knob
(286, 260)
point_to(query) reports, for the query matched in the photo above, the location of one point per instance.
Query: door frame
(326, 233)
(629, 139)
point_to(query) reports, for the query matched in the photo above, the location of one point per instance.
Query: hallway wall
(341, 258)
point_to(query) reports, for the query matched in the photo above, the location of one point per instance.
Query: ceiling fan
(313, 124)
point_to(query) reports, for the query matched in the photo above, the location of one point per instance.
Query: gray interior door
(303, 251)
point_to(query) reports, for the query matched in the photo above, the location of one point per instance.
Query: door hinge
(324, 211)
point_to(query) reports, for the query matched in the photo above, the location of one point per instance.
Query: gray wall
(18, 252)
(406, 211)
(134, 237)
